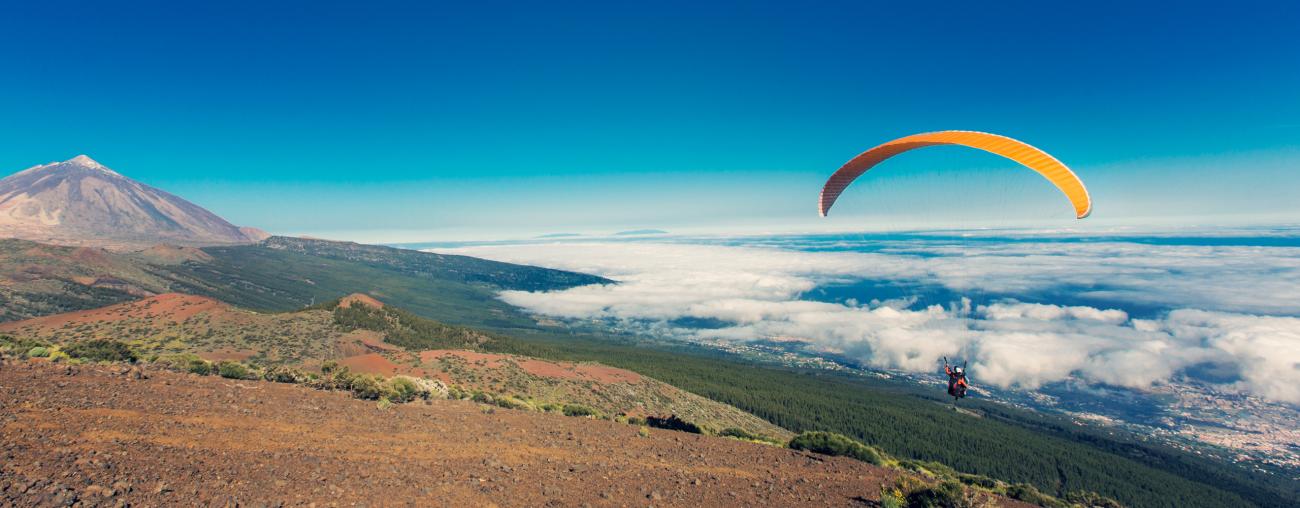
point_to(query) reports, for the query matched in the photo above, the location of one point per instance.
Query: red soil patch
(489, 360)
(362, 299)
(565, 370)
(540, 368)
(606, 374)
(374, 363)
(175, 307)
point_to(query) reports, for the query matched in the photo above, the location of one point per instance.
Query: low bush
(929, 468)
(673, 422)
(18, 346)
(978, 481)
(830, 443)
(333, 377)
(1030, 494)
(580, 410)
(404, 389)
(895, 496)
(234, 370)
(186, 362)
(552, 407)
(481, 397)
(38, 352)
(202, 367)
(509, 402)
(738, 433)
(367, 387)
(949, 494)
(102, 350)
(284, 375)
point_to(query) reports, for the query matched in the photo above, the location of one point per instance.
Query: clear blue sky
(388, 121)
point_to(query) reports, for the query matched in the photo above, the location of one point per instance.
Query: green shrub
(978, 481)
(234, 370)
(552, 407)
(367, 387)
(738, 433)
(949, 494)
(102, 350)
(38, 352)
(888, 500)
(186, 362)
(404, 389)
(580, 410)
(19, 346)
(333, 377)
(201, 367)
(509, 402)
(635, 420)
(896, 495)
(830, 443)
(673, 422)
(929, 468)
(1030, 494)
(284, 375)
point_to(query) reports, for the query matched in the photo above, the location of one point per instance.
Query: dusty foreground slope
(104, 437)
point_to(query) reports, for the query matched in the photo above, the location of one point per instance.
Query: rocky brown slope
(93, 435)
(178, 323)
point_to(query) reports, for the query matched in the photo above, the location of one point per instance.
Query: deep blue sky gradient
(404, 121)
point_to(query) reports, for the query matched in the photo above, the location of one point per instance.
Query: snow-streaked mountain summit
(82, 202)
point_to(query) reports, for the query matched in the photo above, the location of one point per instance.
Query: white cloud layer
(1009, 344)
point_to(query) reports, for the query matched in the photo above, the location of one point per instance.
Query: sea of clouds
(1234, 308)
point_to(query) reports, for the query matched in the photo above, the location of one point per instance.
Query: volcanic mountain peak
(87, 162)
(79, 162)
(82, 202)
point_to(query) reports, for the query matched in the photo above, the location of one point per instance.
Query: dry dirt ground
(99, 436)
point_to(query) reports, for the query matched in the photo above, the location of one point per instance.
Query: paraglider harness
(956, 380)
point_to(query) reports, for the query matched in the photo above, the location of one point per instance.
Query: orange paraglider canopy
(1026, 155)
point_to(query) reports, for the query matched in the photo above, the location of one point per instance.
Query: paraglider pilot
(956, 379)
